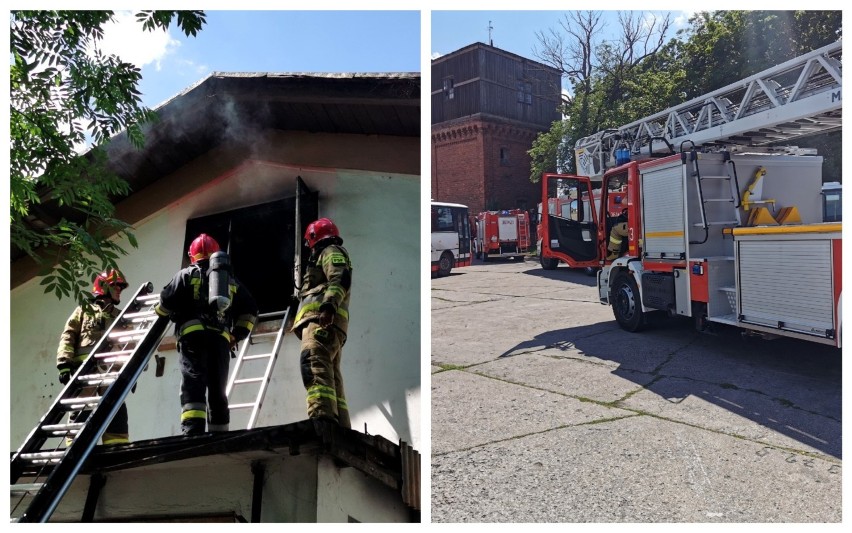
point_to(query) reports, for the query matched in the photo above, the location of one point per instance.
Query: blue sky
(267, 41)
(513, 31)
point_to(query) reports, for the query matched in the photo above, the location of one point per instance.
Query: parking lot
(544, 410)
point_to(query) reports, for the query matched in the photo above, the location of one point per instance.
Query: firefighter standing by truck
(322, 323)
(83, 329)
(212, 311)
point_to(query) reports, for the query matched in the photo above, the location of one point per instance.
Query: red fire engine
(502, 234)
(720, 232)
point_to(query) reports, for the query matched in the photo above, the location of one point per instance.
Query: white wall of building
(378, 217)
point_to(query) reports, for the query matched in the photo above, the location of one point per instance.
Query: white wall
(378, 215)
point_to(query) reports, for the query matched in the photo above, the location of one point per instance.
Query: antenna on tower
(490, 27)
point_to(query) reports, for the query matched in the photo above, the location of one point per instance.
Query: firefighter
(616, 236)
(83, 330)
(322, 323)
(206, 334)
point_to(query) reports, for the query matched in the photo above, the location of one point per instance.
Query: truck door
(569, 221)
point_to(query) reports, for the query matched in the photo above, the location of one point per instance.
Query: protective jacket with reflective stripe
(184, 300)
(83, 331)
(327, 283)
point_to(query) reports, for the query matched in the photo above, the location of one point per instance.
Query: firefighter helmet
(107, 279)
(320, 230)
(202, 248)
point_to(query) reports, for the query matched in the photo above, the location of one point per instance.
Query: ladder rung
(257, 356)
(130, 333)
(718, 200)
(715, 177)
(119, 359)
(26, 488)
(148, 297)
(241, 405)
(81, 402)
(111, 354)
(42, 456)
(63, 428)
(247, 380)
(91, 379)
(719, 223)
(265, 334)
(139, 314)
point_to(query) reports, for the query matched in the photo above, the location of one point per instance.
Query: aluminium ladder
(245, 372)
(124, 351)
(731, 196)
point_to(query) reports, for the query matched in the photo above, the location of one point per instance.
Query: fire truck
(502, 234)
(722, 224)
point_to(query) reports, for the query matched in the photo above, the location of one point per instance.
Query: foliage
(63, 91)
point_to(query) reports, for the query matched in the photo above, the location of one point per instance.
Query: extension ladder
(251, 374)
(124, 350)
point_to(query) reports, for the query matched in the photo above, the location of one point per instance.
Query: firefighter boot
(325, 429)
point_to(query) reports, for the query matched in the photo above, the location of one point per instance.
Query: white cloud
(125, 38)
(436, 55)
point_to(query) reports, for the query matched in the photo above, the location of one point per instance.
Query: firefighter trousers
(321, 375)
(204, 359)
(117, 432)
(616, 238)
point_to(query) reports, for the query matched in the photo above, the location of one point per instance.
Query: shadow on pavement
(790, 386)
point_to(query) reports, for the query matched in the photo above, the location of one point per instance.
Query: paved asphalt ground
(544, 410)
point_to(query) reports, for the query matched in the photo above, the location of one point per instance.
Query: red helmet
(107, 279)
(319, 230)
(202, 248)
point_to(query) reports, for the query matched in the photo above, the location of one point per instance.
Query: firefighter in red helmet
(208, 324)
(83, 329)
(322, 322)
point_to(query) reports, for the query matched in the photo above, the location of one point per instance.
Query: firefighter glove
(64, 374)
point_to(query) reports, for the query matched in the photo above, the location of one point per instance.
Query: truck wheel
(626, 305)
(445, 264)
(549, 263)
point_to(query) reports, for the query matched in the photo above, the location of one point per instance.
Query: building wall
(381, 359)
(483, 163)
(489, 80)
(304, 488)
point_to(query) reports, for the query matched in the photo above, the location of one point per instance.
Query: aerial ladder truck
(723, 224)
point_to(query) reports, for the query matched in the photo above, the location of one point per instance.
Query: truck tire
(549, 263)
(445, 264)
(626, 304)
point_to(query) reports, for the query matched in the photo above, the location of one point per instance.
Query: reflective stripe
(190, 329)
(227, 336)
(80, 358)
(321, 391)
(245, 321)
(337, 290)
(196, 286)
(314, 306)
(161, 311)
(307, 308)
(615, 239)
(341, 404)
(186, 415)
(335, 258)
(115, 438)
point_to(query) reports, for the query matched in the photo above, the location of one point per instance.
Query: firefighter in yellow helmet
(322, 322)
(83, 329)
(616, 237)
